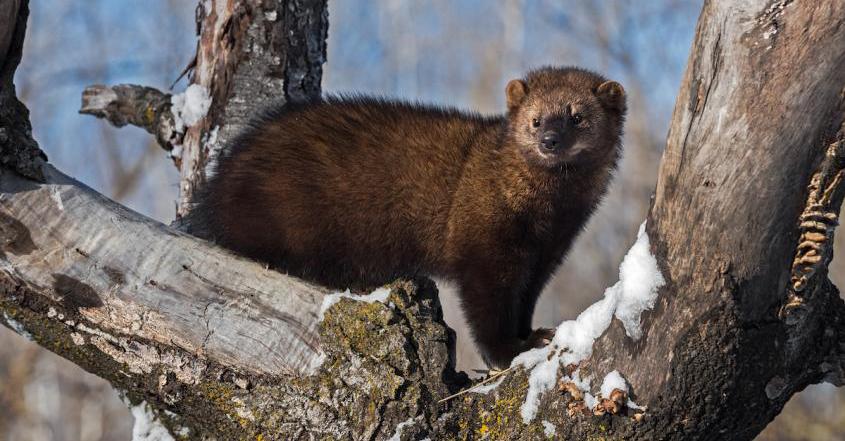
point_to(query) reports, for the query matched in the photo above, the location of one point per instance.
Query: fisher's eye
(577, 118)
(535, 122)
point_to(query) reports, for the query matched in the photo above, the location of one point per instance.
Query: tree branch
(98, 262)
(140, 106)
(228, 345)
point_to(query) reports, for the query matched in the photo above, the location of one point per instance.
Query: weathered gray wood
(141, 106)
(120, 273)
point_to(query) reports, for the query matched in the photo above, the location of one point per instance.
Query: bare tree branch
(73, 243)
(140, 106)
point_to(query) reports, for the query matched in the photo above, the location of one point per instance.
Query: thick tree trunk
(250, 53)
(19, 151)
(744, 246)
(741, 223)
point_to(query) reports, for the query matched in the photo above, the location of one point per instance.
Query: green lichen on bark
(385, 364)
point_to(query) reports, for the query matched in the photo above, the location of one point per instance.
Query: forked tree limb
(747, 318)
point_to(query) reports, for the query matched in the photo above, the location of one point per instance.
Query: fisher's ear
(612, 96)
(515, 91)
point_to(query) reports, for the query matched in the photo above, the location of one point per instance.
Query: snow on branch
(635, 292)
(161, 114)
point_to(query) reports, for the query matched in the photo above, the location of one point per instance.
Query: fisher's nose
(550, 140)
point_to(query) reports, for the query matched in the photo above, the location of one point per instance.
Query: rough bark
(742, 223)
(250, 54)
(18, 151)
(747, 149)
(228, 348)
(145, 107)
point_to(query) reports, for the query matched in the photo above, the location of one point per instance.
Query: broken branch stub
(140, 106)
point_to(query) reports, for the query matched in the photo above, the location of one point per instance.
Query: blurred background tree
(455, 53)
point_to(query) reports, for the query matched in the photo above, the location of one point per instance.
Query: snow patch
(548, 429)
(16, 326)
(176, 151)
(613, 380)
(397, 434)
(590, 400)
(147, 427)
(190, 107)
(640, 279)
(633, 405)
(635, 292)
(379, 295)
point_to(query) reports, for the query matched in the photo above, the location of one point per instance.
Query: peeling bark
(741, 222)
(250, 54)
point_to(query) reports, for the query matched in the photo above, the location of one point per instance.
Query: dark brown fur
(360, 191)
